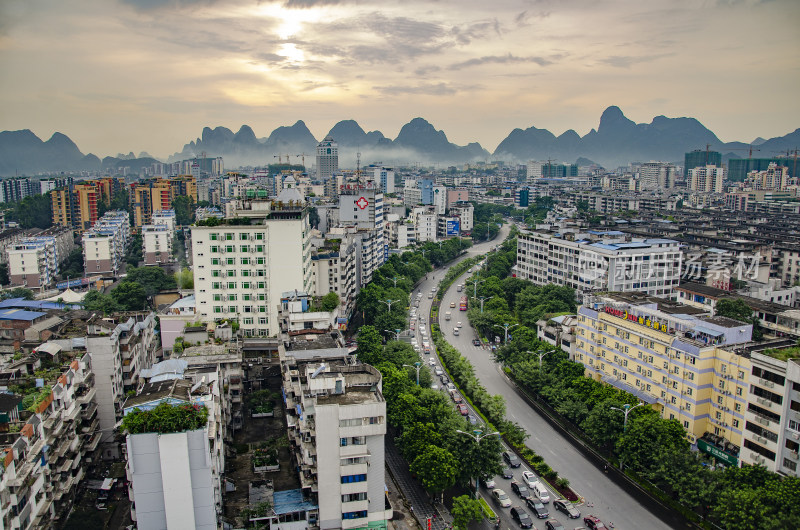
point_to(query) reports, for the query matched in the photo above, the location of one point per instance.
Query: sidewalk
(417, 502)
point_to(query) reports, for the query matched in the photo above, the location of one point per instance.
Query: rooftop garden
(166, 418)
(783, 354)
(262, 401)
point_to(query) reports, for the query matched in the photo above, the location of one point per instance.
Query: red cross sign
(362, 203)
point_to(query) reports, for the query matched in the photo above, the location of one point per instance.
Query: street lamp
(475, 283)
(506, 326)
(396, 332)
(626, 409)
(395, 278)
(477, 436)
(416, 366)
(483, 299)
(540, 353)
(389, 303)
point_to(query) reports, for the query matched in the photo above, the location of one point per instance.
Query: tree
(739, 310)
(313, 217)
(152, 279)
(34, 211)
(133, 256)
(648, 437)
(330, 301)
(416, 439)
(184, 278)
(97, 301)
(465, 510)
(18, 292)
(370, 346)
(436, 468)
(129, 296)
(4, 279)
(73, 266)
(183, 210)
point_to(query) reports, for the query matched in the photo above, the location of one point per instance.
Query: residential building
(457, 195)
(440, 199)
(426, 224)
(8, 238)
(412, 194)
(175, 478)
(34, 262)
(559, 332)
(104, 245)
(656, 176)
(426, 190)
(706, 179)
(739, 168)
(336, 270)
(75, 206)
(120, 348)
(700, 158)
(165, 217)
(465, 213)
(383, 177)
(364, 209)
(16, 189)
(157, 244)
(678, 359)
(327, 158)
(775, 177)
(331, 397)
(45, 463)
(240, 270)
(599, 261)
(153, 195)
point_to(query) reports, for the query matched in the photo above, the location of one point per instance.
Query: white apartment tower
(656, 175)
(652, 266)
(706, 179)
(327, 158)
(337, 421)
(240, 270)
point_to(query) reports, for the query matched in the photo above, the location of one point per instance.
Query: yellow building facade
(681, 361)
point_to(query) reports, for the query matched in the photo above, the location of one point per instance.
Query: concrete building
(559, 332)
(656, 176)
(175, 477)
(16, 189)
(149, 196)
(426, 224)
(336, 415)
(457, 195)
(465, 213)
(426, 190)
(440, 199)
(240, 270)
(336, 270)
(412, 194)
(165, 217)
(45, 463)
(384, 177)
(773, 178)
(157, 244)
(34, 262)
(706, 179)
(678, 359)
(700, 158)
(599, 261)
(119, 348)
(104, 245)
(327, 158)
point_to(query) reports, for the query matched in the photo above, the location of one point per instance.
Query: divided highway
(603, 497)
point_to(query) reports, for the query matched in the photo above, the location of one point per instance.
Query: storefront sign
(639, 320)
(717, 453)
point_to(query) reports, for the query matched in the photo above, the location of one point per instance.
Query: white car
(529, 478)
(458, 324)
(431, 362)
(439, 372)
(490, 484)
(501, 498)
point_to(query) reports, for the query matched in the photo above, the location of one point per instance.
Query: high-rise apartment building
(240, 270)
(16, 189)
(33, 262)
(148, 196)
(656, 176)
(104, 245)
(327, 158)
(601, 261)
(337, 422)
(706, 179)
(699, 158)
(383, 177)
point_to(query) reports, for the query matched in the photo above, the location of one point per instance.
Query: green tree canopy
(152, 279)
(465, 510)
(330, 301)
(436, 469)
(129, 296)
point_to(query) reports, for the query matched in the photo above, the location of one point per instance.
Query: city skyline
(148, 75)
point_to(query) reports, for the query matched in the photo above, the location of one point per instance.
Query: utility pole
(506, 326)
(417, 366)
(389, 303)
(482, 299)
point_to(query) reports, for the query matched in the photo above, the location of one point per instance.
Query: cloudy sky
(133, 75)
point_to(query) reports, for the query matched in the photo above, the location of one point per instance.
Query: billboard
(453, 227)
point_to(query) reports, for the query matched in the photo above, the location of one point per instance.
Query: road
(607, 500)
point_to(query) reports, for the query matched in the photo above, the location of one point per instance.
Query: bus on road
(462, 305)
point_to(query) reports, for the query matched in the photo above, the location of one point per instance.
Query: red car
(593, 522)
(462, 409)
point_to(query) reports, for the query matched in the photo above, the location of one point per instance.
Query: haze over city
(149, 75)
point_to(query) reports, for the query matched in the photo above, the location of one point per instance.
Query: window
(737, 407)
(246, 297)
(232, 309)
(214, 248)
(244, 248)
(230, 261)
(261, 272)
(242, 236)
(736, 423)
(216, 285)
(246, 285)
(230, 248)
(245, 273)
(260, 261)
(231, 297)
(229, 236)
(247, 321)
(217, 297)
(348, 479)
(215, 261)
(218, 309)
(354, 515)
(262, 285)
(259, 248)
(215, 273)
(230, 273)
(262, 321)
(688, 406)
(350, 497)
(685, 424)
(259, 236)
(231, 285)
(213, 237)
(244, 261)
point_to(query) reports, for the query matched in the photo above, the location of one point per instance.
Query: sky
(148, 75)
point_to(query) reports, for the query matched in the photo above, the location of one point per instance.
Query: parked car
(593, 522)
(522, 491)
(462, 409)
(529, 478)
(554, 524)
(567, 508)
(511, 459)
(538, 509)
(507, 473)
(501, 498)
(521, 517)
(472, 419)
(476, 342)
(490, 484)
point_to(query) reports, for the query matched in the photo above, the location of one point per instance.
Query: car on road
(490, 484)
(458, 324)
(455, 332)
(421, 320)
(439, 371)
(501, 498)
(452, 304)
(567, 508)
(592, 522)
(463, 409)
(472, 419)
(538, 509)
(554, 524)
(476, 342)
(431, 361)
(529, 478)
(507, 473)
(522, 491)
(511, 459)
(521, 517)
(450, 387)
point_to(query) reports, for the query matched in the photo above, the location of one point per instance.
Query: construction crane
(302, 156)
(750, 150)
